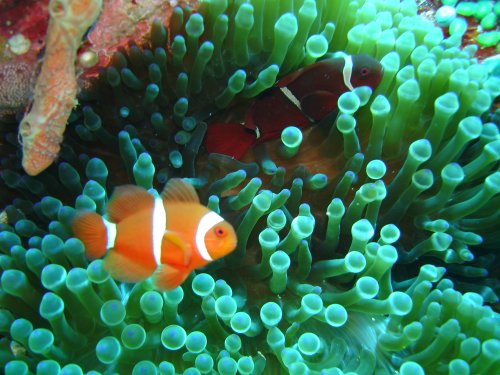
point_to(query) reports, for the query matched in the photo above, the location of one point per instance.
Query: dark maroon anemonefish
(299, 99)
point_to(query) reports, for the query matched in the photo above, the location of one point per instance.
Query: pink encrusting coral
(41, 130)
(125, 21)
(28, 18)
(15, 86)
(23, 25)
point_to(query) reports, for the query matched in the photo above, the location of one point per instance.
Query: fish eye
(220, 232)
(364, 71)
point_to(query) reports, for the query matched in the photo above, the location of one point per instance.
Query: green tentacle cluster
(376, 258)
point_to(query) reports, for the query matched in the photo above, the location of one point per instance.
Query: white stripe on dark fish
(293, 99)
(285, 90)
(347, 72)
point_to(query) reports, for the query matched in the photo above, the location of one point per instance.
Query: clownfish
(300, 99)
(165, 237)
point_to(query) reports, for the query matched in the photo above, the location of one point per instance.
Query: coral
(22, 24)
(41, 129)
(125, 20)
(16, 83)
(26, 19)
(485, 13)
(471, 22)
(23, 27)
(366, 244)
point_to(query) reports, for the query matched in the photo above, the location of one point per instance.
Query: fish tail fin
(90, 229)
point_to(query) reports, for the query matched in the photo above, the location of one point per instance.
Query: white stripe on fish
(207, 222)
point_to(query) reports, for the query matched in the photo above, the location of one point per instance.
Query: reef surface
(367, 243)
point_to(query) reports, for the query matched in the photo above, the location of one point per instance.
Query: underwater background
(367, 244)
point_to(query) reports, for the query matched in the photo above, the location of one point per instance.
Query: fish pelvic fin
(90, 229)
(125, 269)
(168, 277)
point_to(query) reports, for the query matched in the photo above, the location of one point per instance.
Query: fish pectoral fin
(178, 190)
(230, 139)
(127, 200)
(168, 277)
(124, 269)
(175, 250)
(318, 102)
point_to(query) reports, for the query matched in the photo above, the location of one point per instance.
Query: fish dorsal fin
(127, 200)
(289, 78)
(178, 190)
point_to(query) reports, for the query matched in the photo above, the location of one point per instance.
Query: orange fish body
(165, 237)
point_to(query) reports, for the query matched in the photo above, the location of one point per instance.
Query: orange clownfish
(165, 237)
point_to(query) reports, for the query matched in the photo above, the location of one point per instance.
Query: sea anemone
(368, 247)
